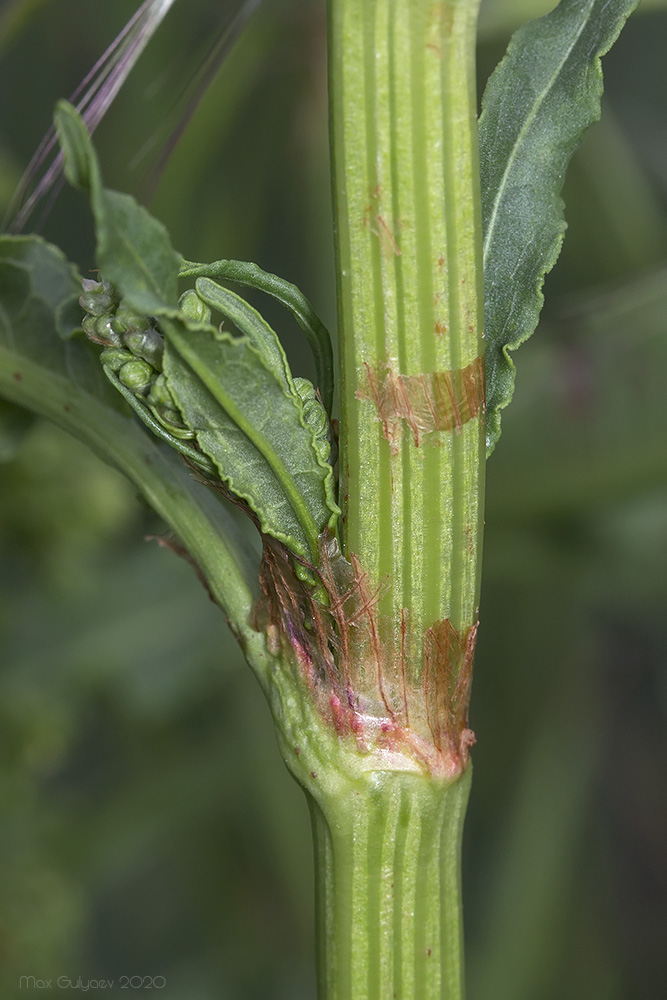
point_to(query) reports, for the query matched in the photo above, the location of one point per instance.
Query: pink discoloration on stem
(434, 401)
(404, 701)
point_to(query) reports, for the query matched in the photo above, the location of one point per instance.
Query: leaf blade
(252, 429)
(134, 251)
(537, 105)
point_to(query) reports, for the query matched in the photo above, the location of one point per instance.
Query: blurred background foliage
(148, 826)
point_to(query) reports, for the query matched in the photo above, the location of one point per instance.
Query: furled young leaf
(248, 322)
(537, 105)
(318, 337)
(262, 386)
(260, 335)
(253, 429)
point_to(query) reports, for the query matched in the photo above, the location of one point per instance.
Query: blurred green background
(148, 826)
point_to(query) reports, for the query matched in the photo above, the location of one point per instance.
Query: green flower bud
(115, 358)
(193, 307)
(100, 330)
(98, 297)
(127, 319)
(147, 344)
(137, 376)
(105, 331)
(303, 573)
(164, 409)
(160, 394)
(89, 326)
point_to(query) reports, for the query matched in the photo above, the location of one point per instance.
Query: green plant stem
(411, 302)
(388, 887)
(407, 208)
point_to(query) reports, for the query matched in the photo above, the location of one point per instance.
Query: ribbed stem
(411, 309)
(373, 719)
(388, 870)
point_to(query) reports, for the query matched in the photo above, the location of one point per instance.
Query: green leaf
(134, 251)
(39, 291)
(253, 429)
(236, 394)
(310, 412)
(47, 371)
(537, 105)
(252, 276)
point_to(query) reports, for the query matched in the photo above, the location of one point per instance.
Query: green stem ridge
(388, 884)
(372, 717)
(411, 310)
(387, 858)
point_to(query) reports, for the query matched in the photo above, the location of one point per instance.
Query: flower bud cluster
(133, 350)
